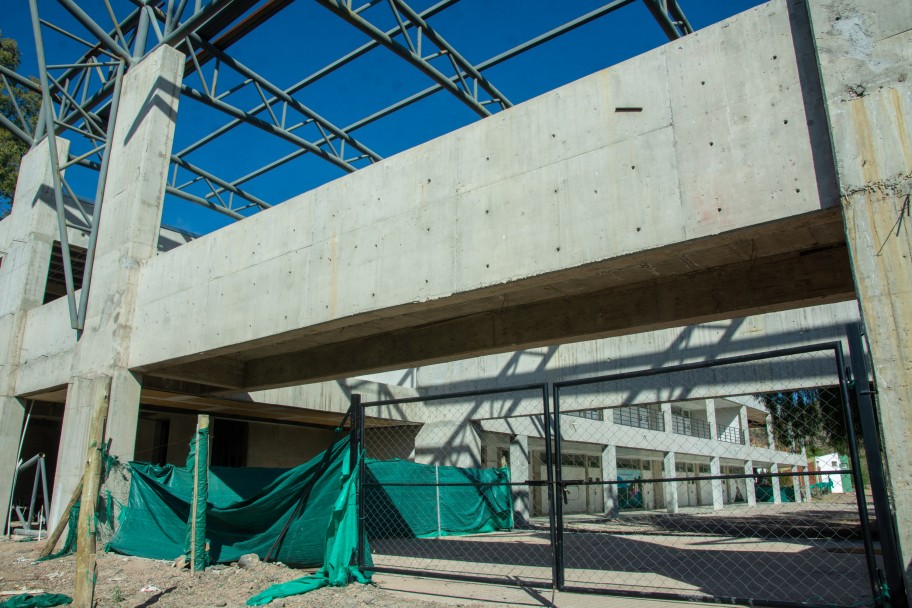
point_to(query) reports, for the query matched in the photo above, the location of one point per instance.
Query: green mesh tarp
(340, 549)
(42, 600)
(198, 460)
(477, 501)
(242, 516)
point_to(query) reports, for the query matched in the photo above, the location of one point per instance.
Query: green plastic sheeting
(340, 549)
(195, 545)
(241, 518)
(42, 600)
(481, 503)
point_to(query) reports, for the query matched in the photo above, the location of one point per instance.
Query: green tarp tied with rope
(246, 511)
(306, 516)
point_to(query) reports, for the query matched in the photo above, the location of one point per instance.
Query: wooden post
(85, 540)
(62, 524)
(202, 423)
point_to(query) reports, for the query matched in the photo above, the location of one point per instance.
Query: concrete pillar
(82, 395)
(796, 484)
(519, 472)
(123, 416)
(711, 419)
(745, 425)
(28, 237)
(777, 495)
(610, 473)
(871, 137)
(750, 485)
(666, 417)
(718, 487)
(128, 236)
(668, 472)
(770, 436)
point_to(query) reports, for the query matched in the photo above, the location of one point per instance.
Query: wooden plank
(62, 524)
(85, 542)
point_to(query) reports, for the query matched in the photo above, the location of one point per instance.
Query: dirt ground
(121, 580)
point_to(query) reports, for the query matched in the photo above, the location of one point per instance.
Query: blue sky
(304, 37)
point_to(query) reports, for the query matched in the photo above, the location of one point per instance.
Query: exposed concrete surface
(865, 54)
(23, 273)
(525, 228)
(127, 237)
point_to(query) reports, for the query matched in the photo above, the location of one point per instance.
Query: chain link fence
(451, 489)
(737, 481)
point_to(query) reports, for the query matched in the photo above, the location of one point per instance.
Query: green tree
(812, 418)
(11, 147)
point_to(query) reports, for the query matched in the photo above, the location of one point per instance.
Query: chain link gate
(737, 480)
(459, 485)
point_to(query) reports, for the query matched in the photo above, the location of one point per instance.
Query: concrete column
(28, 237)
(128, 236)
(610, 473)
(718, 488)
(796, 485)
(711, 419)
(82, 394)
(666, 417)
(126, 388)
(750, 486)
(668, 472)
(777, 495)
(770, 436)
(806, 482)
(745, 425)
(872, 143)
(519, 472)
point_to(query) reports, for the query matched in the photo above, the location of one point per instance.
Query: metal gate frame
(875, 576)
(359, 410)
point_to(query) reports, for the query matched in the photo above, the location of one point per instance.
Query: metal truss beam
(412, 53)
(670, 18)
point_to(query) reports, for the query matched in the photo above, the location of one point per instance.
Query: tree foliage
(11, 147)
(812, 418)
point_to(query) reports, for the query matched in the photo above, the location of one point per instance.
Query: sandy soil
(121, 580)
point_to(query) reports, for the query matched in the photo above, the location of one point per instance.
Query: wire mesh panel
(736, 481)
(457, 486)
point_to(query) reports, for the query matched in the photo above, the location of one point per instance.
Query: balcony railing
(731, 434)
(639, 417)
(694, 428)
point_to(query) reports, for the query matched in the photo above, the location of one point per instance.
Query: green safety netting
(246, 512)
(478, 501)
(198, 459)
(340, 549)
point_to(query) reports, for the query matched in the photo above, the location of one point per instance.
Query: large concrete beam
(684, 168)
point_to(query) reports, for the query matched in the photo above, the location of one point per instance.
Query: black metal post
(552, 522)
(857, 480)
(557, 494)
(357, 443)
(869, 431)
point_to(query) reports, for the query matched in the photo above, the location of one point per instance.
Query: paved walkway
(459, 593)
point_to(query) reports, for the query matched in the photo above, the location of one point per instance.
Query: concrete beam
(815, 278)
